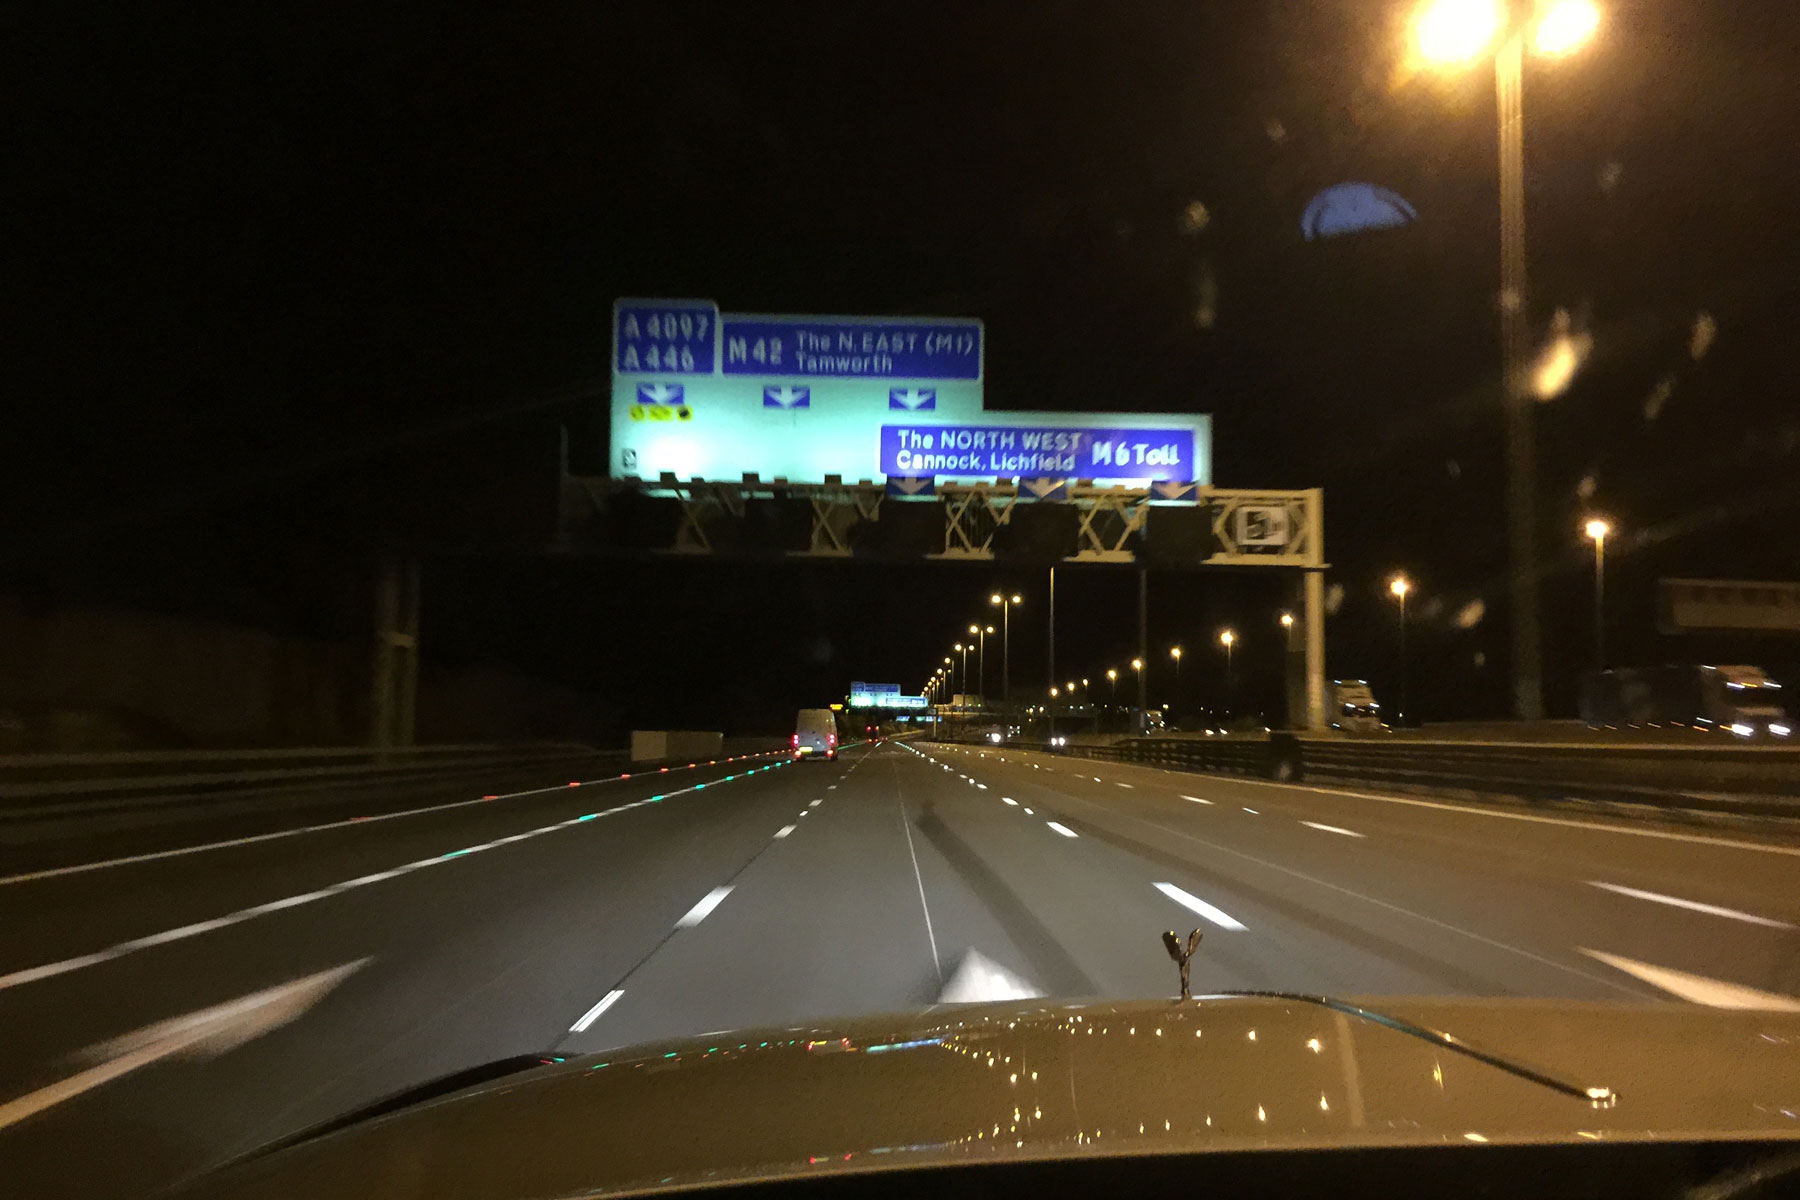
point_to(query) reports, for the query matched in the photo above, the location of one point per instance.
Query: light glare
(1567, 25)
(1455, 31)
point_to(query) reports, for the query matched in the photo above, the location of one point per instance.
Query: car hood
(1042, 1080)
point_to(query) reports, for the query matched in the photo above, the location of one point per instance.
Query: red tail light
(796, 739)
(831, 739)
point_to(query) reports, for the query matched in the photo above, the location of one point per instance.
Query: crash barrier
(1756, 780)
(31, 784)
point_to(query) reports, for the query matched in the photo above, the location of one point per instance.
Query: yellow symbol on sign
(661, 412)
(684, 413)
(637, 412)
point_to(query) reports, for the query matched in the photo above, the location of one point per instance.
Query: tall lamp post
(1175, 653)
(1287, 624)
(1137, 664)
(1112, 682)
(1227, 639)
(1005, 604)
(1597, 530)
(1449, 32)
(1399, 585)
(962, 691)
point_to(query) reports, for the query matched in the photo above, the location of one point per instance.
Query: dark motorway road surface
(763, 892)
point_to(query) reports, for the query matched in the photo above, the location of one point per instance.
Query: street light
(1448, 32)
(1005, 603)
(1597, 529)
(1227, 639)
(1399, 585)
(1112, 679)
(981, 657)
(1287, 624)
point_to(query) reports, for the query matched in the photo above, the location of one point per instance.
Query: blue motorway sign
(700, 394)
(1006, 450)
(665, 337)
(852, 347)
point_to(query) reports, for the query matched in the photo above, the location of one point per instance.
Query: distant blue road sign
(787, 396)
(1037, 451)
(660, 393)
(1044, 489)
(852, 348)
(665, 337)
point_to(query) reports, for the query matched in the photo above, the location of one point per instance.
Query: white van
(815, 734)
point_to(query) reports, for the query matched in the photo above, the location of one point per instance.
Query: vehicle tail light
(796, 739)
(831, 739)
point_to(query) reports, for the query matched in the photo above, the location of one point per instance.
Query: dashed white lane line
(50, 970)
(701, 910)
(785, 830)
(1196, 799)
(1028, 812)
(1692, 905)
(593, 1014)
(1193, 903)
(1124, 785)
(1332, 829)
(1253, 812)
(815, 803)
(1061, 828)
(1010, 800)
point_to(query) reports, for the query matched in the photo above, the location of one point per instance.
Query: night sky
(292, 278)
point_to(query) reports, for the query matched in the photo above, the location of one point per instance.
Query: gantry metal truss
(1250, 526)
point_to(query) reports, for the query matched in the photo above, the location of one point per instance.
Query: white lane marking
(815, 804)
(1010, 800)
(831, 787)
(1253, 812)
(785, 830)
(1124, 785)
(593, 1014)
(154, 856)
(1474, 811)
(202, 1034)
(978, 979)
(1332, 829)
(1028, 812)
(707, 903)
(1097, 779)
(1695, 905)
(982, 786)
(1061, 828)
(1193, 903)
(930, 935)
(50, 970)
(1697, 988)
(1175, 831)
(1196, 800)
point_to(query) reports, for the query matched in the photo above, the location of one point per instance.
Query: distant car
(815, 734)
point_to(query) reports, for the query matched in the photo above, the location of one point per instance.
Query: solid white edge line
(593, 1014)
(1714, 910)
(704, 907)
(1193, 903)
(1062, 829)
(1332, 829)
